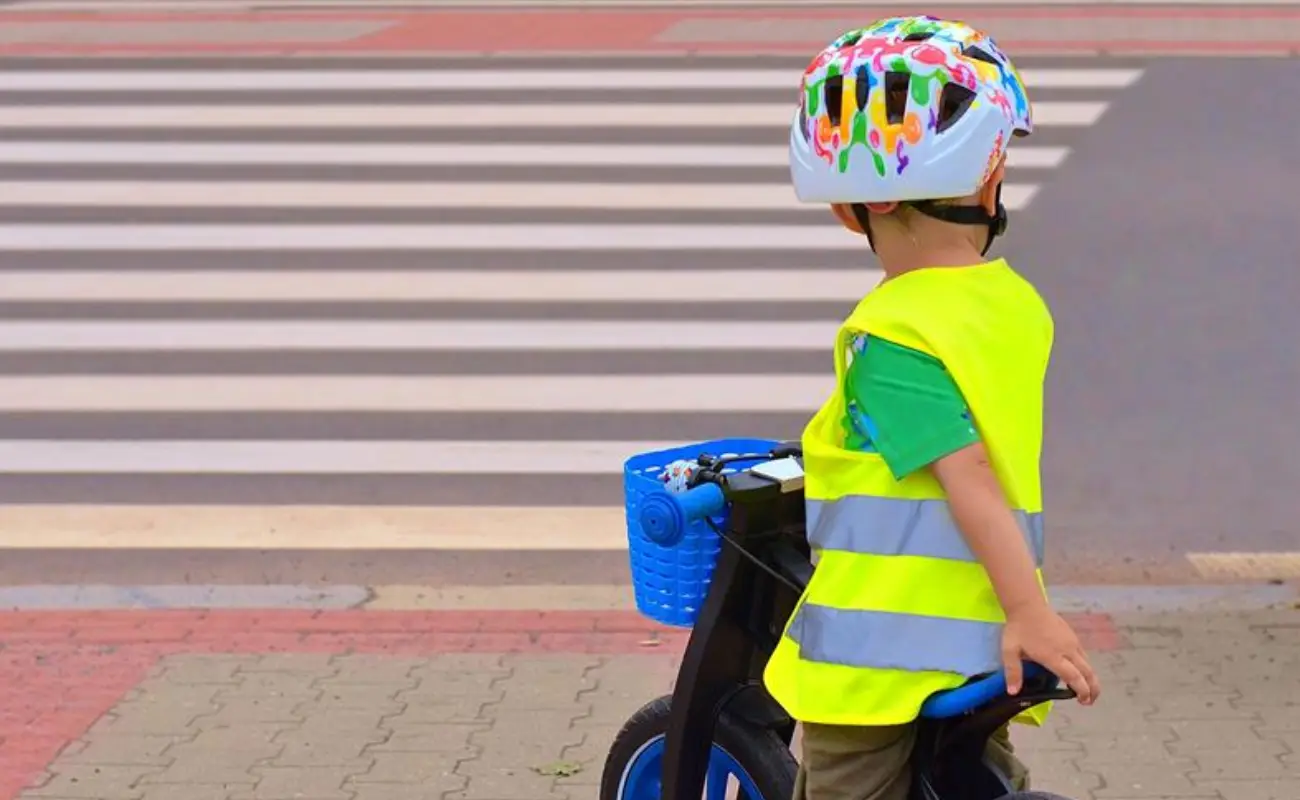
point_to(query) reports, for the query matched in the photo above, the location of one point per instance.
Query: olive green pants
(856, 763)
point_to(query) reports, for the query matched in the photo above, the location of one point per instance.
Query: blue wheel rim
(643, 775)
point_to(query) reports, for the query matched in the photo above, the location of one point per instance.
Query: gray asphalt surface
(1163, 244)
(1167, 245)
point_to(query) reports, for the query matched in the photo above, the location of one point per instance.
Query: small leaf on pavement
(559, 769)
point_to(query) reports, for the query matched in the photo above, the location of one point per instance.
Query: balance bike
(729, 559)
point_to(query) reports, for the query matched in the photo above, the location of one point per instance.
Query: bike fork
(719, 660)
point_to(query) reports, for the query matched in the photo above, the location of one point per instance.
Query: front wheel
(748, 762)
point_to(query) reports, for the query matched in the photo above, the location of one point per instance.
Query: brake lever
(703, 476)
(788, 450)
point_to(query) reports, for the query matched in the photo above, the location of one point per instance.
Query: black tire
(759, 751)
(1034, 796)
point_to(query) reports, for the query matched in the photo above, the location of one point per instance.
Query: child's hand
(1040, 635)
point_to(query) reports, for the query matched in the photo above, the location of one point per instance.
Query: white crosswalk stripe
(416, 195)
(304, 281)
(588, 394)
(444, 285)
(466, 116)
(421, 154)
(468, 80)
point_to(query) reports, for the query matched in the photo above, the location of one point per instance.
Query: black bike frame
(761, 572)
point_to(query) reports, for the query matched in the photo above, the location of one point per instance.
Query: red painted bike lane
(1082, 29)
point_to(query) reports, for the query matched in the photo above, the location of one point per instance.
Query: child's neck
(908, 259)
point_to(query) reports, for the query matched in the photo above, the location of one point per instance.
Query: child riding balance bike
(878, 582)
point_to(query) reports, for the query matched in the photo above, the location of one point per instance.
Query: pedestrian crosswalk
(417, 282)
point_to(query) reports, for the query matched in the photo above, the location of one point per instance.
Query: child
(922, 469)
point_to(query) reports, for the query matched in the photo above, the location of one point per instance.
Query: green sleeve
(908, 405)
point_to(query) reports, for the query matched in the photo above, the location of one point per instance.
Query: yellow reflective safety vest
(898, 607)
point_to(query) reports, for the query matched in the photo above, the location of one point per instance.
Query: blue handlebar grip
(665, 516)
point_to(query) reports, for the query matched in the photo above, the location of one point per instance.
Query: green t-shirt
(904, 405)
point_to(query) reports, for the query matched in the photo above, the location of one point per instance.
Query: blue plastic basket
(671, 582)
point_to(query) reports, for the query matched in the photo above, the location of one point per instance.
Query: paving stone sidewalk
(233, 708)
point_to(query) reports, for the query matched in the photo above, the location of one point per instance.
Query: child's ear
(988, 194)
(846, 218)
(844, 213)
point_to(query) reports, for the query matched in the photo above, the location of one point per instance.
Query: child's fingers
(1013, 668)
(1089, 676)
(1073, 677)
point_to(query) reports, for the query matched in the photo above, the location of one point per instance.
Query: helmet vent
(833, 97)
(918, 37)
(971, 51)
(896, 86)
(862, 86)
(954, 100)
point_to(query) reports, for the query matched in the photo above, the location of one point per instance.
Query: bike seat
(963, 699)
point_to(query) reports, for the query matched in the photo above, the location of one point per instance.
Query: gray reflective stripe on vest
(887, 526)
(881, 640)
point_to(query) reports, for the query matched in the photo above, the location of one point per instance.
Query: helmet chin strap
(996, 223)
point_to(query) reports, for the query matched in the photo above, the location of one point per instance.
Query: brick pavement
(374, 705)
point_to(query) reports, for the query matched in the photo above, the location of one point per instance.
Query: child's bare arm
(1033, 630)
(980, 508)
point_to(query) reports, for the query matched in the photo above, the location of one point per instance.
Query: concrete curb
(594, 599)
(1166, 599)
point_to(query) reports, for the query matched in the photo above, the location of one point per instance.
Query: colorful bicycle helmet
(907, 109)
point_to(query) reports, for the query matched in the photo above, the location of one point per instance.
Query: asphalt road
(1159, 233)
(1167, 246)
